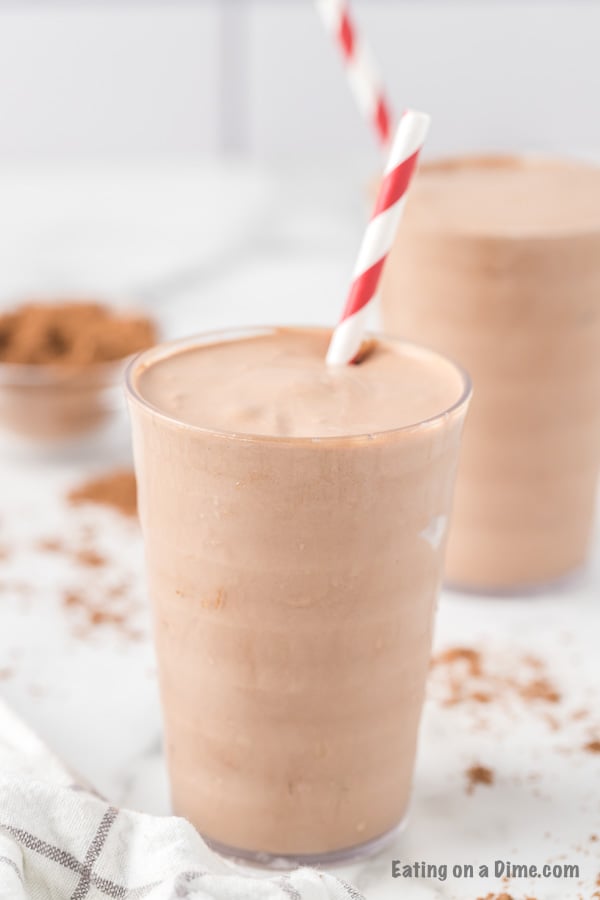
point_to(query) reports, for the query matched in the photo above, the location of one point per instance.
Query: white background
(154, 80)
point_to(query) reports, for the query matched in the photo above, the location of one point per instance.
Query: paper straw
(360, 65)
(379, 237)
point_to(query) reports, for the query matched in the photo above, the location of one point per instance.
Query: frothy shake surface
(277, 384)
(509, 197)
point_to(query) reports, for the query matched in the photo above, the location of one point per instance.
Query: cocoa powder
(116, 489)
(469, 678)
(77, 334)
(471, 657)
(478, 774)
(504, 896)
(50, 545)
(540, 689)
(95, 611)
(89, 557)
(94, 603)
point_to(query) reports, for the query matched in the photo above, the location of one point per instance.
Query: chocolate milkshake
(294, 519)
(497, 263)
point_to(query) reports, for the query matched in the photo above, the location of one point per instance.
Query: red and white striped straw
(379, 237)
(360, 65)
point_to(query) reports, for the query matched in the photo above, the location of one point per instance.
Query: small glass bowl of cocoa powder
(61, 367)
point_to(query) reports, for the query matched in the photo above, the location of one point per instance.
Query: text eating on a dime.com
(498, 868)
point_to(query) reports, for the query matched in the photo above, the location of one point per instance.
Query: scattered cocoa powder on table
(592, 747)
(116, 489)
(76, 334)
(94, 613)
(89, 557)
(85, 556)
(50, 545)
(467, 655)
(539, 689)
(96, 605)
(504, 896)
(469, 677)
(478, 774)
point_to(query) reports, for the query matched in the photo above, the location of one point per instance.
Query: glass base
(528, 589)
(332, 858)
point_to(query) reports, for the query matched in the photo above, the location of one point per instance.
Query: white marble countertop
(278, 245)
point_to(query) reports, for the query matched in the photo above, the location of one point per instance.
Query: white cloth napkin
(60, 842)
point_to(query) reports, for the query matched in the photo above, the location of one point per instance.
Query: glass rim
(167, 348)
(513, 159)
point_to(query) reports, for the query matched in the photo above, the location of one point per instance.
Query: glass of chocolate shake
(497, 263)
(294, 519)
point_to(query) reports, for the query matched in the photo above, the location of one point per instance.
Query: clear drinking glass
(293, 582)
(508, 283)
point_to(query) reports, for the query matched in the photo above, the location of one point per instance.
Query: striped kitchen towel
(60, 842)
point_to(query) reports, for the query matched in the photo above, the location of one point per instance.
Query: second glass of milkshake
(497, 263)
(294, 519)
